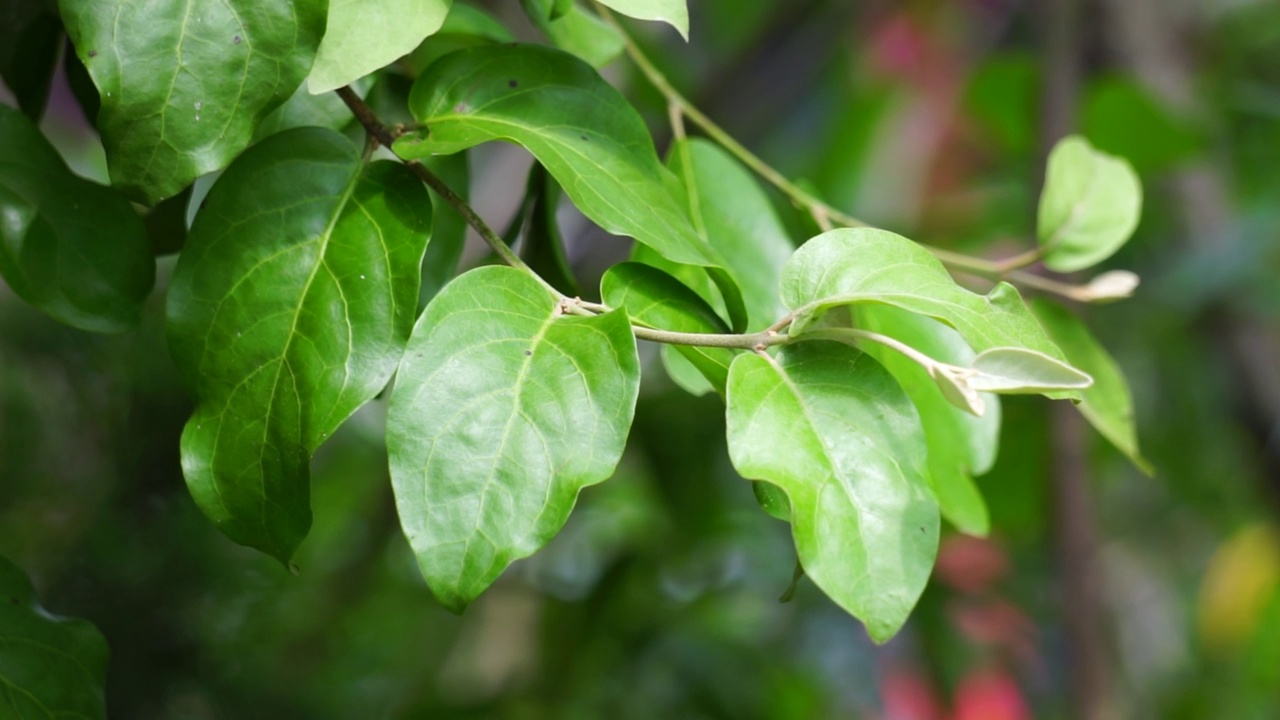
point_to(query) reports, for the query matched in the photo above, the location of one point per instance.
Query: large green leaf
(655, 299)
(735, 215)
(362, 37)
(73, 248)
(961, 445)
(50, 667)
(30, 34)
(1089, 207)
(504, 409)
(289, 309)
(830, 427)
(673, 12)
(183, 84)
(578, 126)
(863, 265)
(1108, 404)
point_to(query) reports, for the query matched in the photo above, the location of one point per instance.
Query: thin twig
(374, 127)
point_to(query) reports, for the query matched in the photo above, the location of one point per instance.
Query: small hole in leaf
(236, 39)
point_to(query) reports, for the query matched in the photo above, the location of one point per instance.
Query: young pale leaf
(50, 667)
(1108, 404)
(504, 409)
(831, 428)
(289, 309)
(581, 130)
(362, 37)
(184, 84)
(961, 444)
(1017, 371)
(738, 220)
(863, 265)
(673, 12)
(73, 248)
(30, 34)
(653, 298)
(1089, 207)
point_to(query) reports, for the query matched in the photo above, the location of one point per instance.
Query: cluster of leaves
(860, 380)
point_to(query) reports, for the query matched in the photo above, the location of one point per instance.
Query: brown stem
(1075, 530)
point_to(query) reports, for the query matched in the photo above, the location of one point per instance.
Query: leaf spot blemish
(93, 53)
(585, 138)
(236, 39)
(528, 353)
(513, 83)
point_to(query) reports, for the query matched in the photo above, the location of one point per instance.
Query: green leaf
(684, 373)
(73, 248)
(1108, 403)
(581, 130)
(542, 247)
(832, 429)
(575, 31)
(30, 34)
(961, 445)
(1089, 207)
(50, 666)
(654, 299)
(303, 109)
(863, 265)
(1016, 371)
(465, 26)
(737, 219)
(183, 84)
(504, 409)
(289, 309)
(362, 37)
(673, 12)
(166, 224)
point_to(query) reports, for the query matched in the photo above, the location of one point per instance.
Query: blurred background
(1101, 593)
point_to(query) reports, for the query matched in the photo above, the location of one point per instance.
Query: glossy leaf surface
(576, 124)
(654, 299)
(1108, 404)
(1089, 207)
(73, 248)
(961, 445)
(673, 12)
(50, 667)
(862, 265)
(289, 309)
(184, 84)
(362, 37)
(832, 428)
(737, 219)
(504, 409)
